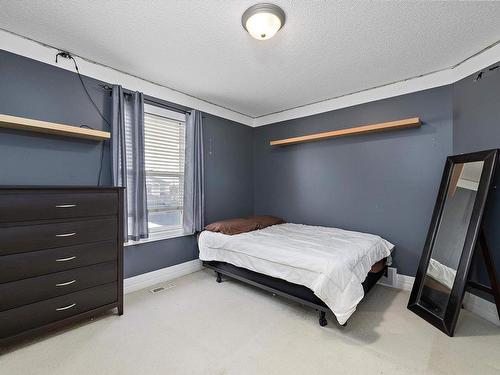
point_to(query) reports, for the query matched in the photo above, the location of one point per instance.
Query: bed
(329, 269)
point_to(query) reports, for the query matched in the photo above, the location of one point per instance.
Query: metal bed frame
(280, 287)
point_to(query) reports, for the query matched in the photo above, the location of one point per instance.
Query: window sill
(157, 237)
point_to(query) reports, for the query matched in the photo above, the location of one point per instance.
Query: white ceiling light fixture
(263, 21)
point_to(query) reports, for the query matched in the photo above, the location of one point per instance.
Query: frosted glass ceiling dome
(263, 21)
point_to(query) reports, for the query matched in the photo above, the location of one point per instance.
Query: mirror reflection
(450, 236)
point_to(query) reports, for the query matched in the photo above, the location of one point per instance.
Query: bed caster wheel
(322, 320)
(219, 278)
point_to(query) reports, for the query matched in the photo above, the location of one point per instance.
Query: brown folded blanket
(265, 221)
(232, 226)
(243, 225)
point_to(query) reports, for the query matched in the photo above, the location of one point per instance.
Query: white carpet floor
(201, 327)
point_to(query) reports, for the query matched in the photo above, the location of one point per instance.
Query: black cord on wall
(102, 157)
(67, 55)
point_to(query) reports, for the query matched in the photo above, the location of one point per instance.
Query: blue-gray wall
(32, 89)
(228, 169)
(381, 183)
(384, 183)
(476, 126)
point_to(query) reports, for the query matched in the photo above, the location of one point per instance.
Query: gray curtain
(127, 158)
(194, 196)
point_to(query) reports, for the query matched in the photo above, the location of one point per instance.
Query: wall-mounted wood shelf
(26, 124)
(384, 126)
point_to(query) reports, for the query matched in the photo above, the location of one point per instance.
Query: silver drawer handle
(66, 234)
(65, 259)
(67, 283)
(66, 307)
(65, 205)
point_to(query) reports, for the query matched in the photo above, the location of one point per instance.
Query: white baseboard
(397, 281)
(146, 280)
(477, 305)
(405, 282)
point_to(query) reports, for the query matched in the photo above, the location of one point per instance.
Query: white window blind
(164, 149)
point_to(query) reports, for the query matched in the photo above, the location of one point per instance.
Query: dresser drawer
(38, 314)
(19, 239)
(24, 292)
(37, 263)
(36, 206)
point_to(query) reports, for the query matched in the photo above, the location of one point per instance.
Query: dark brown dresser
(61, 257)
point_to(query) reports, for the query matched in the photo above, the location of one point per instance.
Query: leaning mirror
(442, 274)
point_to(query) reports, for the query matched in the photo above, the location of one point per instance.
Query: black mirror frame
(448, 323)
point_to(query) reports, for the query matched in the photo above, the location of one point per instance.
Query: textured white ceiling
(326, 48)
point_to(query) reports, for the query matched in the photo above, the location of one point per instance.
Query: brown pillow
(265, 221)
(233, 226)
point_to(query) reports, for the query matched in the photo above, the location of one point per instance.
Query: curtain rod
(162, 103)
(152, 100)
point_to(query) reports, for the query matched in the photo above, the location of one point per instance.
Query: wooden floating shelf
(413, 122)
(26, 124)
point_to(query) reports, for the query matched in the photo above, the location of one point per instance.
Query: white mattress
(331, 262)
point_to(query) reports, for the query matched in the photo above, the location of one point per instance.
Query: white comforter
(441, 273)
(331, 262)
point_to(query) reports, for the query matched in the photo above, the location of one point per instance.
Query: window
(164, 147)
